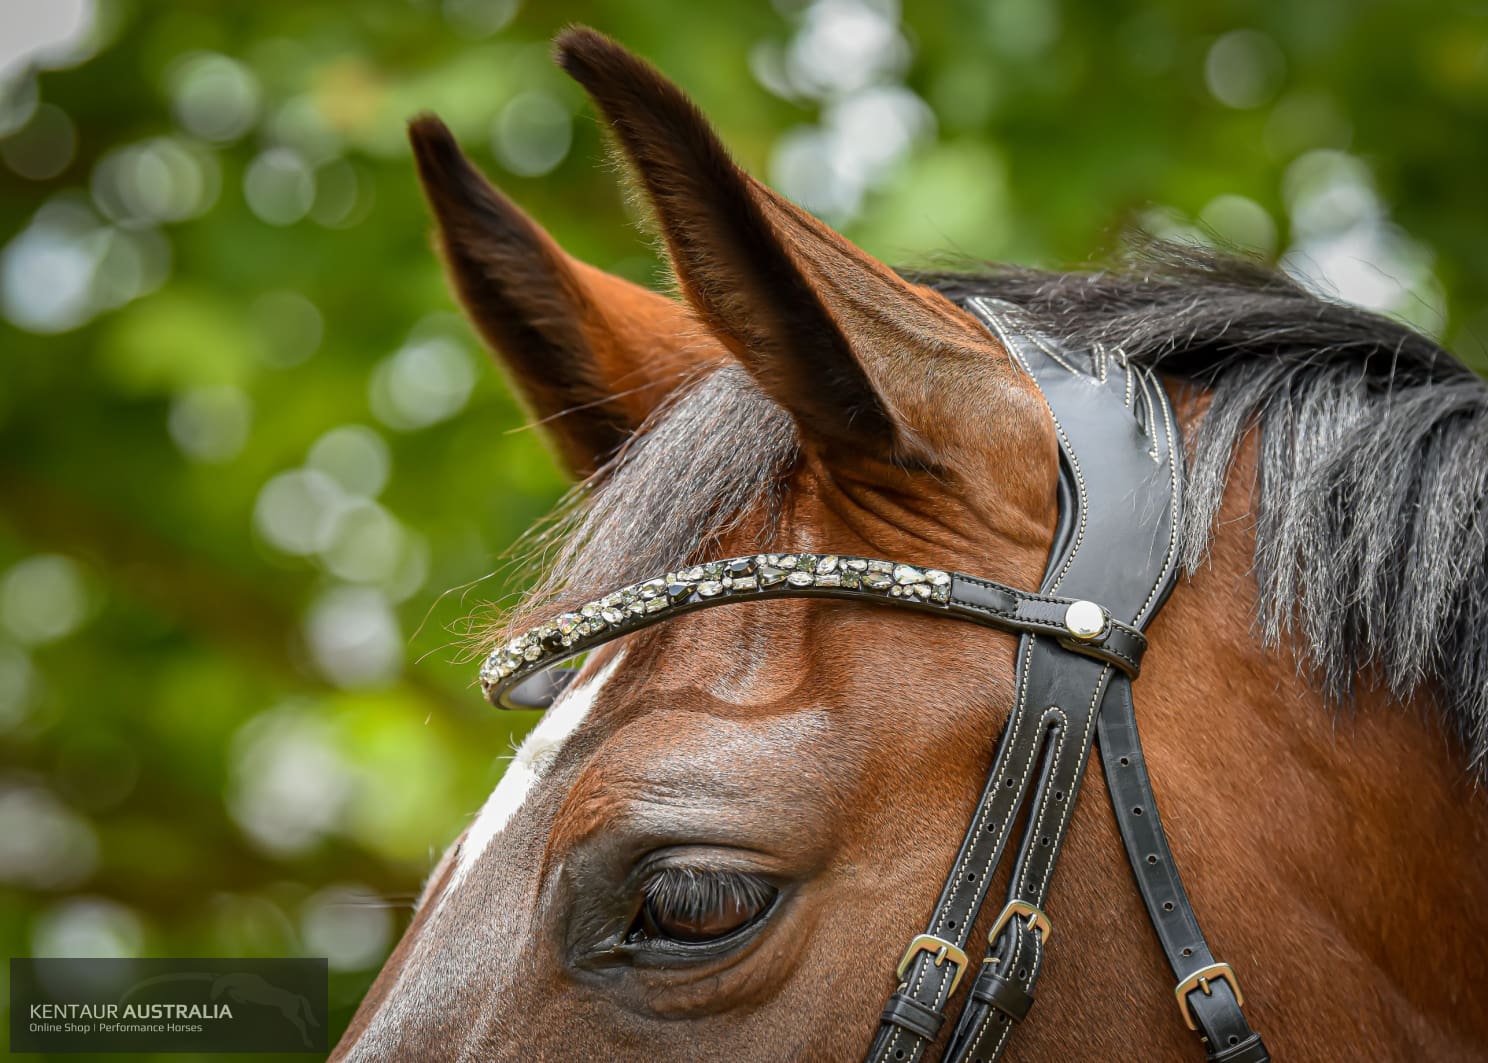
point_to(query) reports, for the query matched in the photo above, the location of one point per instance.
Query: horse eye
(693, 906)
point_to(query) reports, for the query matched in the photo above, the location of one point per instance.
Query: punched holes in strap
(1208, 993)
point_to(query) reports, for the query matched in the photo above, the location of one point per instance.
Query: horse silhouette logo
(242, 987)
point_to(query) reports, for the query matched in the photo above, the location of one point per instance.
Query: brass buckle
(942, 950)
(1037, 920)
(1200, 979)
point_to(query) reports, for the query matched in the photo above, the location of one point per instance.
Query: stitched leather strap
(1119, 486)
(1217, 1013)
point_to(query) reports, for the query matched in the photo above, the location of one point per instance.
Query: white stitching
(1027, 768)
(1058, 748)
(1069, 451)
(1069, 803)
(1173, 515)
(1038, 956)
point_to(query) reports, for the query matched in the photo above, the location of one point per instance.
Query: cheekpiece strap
(1116, 543)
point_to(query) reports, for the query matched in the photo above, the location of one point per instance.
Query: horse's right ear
(591, 353)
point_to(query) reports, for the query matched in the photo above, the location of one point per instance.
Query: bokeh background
(255, 473)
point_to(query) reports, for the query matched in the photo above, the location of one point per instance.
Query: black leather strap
(1119, 485)
(1222, 1024)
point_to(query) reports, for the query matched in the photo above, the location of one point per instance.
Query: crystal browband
(1080, 625)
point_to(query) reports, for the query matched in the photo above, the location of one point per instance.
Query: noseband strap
(1080, 646)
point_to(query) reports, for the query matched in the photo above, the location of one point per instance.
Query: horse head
(720, 837)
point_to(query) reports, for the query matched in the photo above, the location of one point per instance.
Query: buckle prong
(940, 951)
(1200, 979)
(1037, 920)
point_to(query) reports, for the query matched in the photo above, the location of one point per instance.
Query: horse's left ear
(591, 353)
(866, 362)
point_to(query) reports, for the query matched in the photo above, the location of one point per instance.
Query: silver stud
(1084, 620)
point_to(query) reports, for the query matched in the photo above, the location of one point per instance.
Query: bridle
(1111, 566)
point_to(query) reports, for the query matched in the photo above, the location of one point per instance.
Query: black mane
(1370, 520)
(1373, 466)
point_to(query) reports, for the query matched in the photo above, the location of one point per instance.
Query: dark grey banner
(156, 1005)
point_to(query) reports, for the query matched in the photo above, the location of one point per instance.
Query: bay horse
(717, 841)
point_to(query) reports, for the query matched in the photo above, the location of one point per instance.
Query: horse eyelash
(695, 892)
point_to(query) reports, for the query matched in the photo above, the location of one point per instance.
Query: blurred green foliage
(254, 473)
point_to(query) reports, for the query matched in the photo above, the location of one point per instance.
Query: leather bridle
(1112, 564)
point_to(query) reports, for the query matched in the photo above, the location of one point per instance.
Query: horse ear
(591, 353)
(848, 346)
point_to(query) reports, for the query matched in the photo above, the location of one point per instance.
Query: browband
(512, 676)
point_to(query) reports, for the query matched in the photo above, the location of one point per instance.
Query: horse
(718, 840)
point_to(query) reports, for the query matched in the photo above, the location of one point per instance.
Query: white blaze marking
(531, 761)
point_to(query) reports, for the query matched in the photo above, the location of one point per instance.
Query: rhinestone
(612, 615)
(908, 574)
(713, 569)
(739, 566)
(771, 577)
(656, 605)
(635, 608)
(880, 566)
(1084, 620)
(746, 583)
(593, 626)
(878, 581)
(850, 578)
(799, 579)
(547, 635)
(896, 591)
(826, 565)
(857, 564)
(941, 594)
(693, 574)
(789, 561)
(591, 610)
(831, 579)
(937, 578)
(532, 652)
(567, 623)
(653, 588)
(920, 591)
(710, 588)
(678, 590)
(773, 559)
